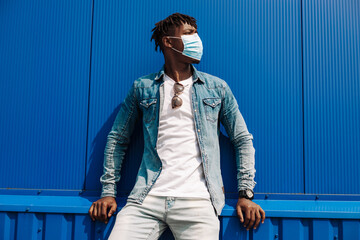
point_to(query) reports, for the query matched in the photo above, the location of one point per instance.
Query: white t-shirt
(182, 172)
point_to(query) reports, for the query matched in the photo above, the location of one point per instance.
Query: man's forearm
(113, 158)
(117, 143)
(241, 139)
(245, 160)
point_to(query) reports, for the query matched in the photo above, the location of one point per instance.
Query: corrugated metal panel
(332, 96)
(254, 45)
(28, 226)
(31, 226)
(293, 229)
(44, 78)
(121, 53)
(56, 217)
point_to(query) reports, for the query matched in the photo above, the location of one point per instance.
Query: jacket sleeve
(241, 139)
(117, 142)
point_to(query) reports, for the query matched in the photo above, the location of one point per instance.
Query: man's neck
(178, 71)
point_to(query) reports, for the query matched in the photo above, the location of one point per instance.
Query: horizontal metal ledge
(228, 195)
(273, 208)
(303, 209)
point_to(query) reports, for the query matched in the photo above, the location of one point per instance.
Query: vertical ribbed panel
(44, 78)
(121, 52)
(42, 226)
(254, 45)
(38, 226)
(332, 96)
(292, 229)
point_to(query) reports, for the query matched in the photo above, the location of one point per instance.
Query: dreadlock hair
(162, 28)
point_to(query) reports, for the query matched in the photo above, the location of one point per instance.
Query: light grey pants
(187, 218)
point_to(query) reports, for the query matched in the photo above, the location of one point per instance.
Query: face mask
(193, 47)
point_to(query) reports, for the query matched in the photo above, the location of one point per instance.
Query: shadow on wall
(130, 164)
(133, 159)
(130, 168)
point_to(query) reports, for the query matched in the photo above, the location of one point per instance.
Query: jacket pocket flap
(212, 102)
(148, 102)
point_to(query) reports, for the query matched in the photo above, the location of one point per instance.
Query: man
(179, 183)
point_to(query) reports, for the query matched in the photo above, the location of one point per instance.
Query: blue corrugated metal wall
(44, 86)
(70, 226)
(332, 96)
(65, 66)
(260, 59)
(66, 218)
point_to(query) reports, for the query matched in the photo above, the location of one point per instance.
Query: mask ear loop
(174, 48)
(173, 37)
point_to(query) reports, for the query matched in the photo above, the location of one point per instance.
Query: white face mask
(193, 47)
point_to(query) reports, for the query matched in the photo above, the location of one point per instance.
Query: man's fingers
(104, 208)
(95, 211)
(112, 210)
(258, 218)
(240, 214)
(91, 212)
(98, 208)
(252, 220)
(262, 215)
(247, 217)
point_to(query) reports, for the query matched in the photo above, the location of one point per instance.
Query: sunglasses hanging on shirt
(176, 101)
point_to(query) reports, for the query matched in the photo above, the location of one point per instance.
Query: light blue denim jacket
(212, 103)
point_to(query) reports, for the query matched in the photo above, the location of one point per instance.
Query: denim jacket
(212, 103)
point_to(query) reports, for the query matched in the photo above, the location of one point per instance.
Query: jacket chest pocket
(148, 109)
(212, 108)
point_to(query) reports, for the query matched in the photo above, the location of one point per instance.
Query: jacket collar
(197, 75)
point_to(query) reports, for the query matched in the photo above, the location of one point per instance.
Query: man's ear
(166, 42)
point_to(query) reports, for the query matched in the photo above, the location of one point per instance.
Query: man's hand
(99, 209)
(249, 213)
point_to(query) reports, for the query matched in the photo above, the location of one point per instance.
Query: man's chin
(196, 61)
(191, 60)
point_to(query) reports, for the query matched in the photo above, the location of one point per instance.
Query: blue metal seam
(273, 208)
(302, 93)
(88, 110)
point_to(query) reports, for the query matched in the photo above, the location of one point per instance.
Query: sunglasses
(176, 101)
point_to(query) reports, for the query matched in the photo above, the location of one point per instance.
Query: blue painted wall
(331, 31)
(60, 218)
(70, 226)
(262, 66)
(44, 87)
(294, 67)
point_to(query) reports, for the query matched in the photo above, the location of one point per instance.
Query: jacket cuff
(108, 190)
